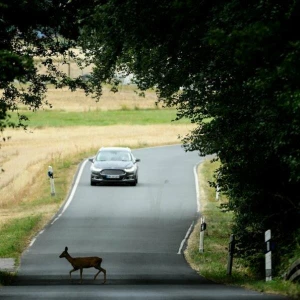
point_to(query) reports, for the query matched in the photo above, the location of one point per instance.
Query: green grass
(212, 263)
(52, 118)
(14, 235)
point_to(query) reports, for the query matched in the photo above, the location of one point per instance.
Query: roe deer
(84, 262)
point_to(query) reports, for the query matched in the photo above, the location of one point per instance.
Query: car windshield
(113, 156)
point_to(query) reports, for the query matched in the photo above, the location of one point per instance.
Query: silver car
(114, 164)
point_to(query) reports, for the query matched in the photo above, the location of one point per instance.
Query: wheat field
(125, 98)
(24, 155)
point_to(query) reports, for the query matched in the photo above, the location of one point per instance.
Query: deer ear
(66, 249)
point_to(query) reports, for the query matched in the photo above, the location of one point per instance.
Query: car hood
(112, 164)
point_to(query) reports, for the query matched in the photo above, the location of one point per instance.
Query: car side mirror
(137, 160)
(91, 159)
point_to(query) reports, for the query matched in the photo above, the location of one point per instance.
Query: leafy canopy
(233, 62)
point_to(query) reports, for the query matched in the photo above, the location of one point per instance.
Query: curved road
(138, 231)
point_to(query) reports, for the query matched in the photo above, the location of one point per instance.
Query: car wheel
(93, 182)
(135, 182)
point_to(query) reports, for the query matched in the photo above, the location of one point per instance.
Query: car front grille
(112, 172)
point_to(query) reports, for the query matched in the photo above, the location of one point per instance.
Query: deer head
(64, 253)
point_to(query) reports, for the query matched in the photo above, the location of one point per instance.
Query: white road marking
(186, 236)
(34, 239)
(72, 192)
(198, 208)
(56, 219)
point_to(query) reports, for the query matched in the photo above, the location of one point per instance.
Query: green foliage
(49, 33)
(236, 62)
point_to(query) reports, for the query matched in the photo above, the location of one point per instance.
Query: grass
(53, 118)
(212, 263)
(14, 235)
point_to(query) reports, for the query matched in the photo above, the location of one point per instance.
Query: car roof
(115, 149)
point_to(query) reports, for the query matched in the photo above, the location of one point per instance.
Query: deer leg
(81, 269)
(100, 270)
(97, 274)
(75, 269)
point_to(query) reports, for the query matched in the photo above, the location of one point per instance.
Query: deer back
(86, 262)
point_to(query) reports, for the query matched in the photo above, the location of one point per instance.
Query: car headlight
(130, 169)
(94, 169)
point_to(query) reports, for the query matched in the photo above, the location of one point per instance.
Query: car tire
(93, 182)
(135, 182)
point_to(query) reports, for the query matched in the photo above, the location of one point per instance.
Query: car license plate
(113, 176)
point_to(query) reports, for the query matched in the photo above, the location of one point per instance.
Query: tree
(232, 67)
(31, 30)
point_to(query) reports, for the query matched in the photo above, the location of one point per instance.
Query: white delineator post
(217, 193)
(217, 187)
(268, 256)
(202, 229)
(50, 174)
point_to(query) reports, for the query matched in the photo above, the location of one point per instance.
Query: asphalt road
(138, 231)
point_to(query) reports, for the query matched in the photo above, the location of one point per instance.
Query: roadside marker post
(217, 193)
(268, 256)
(218, 187)
(202, 229)
(51, 176)
(230, 253)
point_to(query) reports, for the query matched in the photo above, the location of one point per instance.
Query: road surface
(138, 231)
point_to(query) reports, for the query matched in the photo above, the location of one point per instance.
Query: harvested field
(126, 98)
(25, 155)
